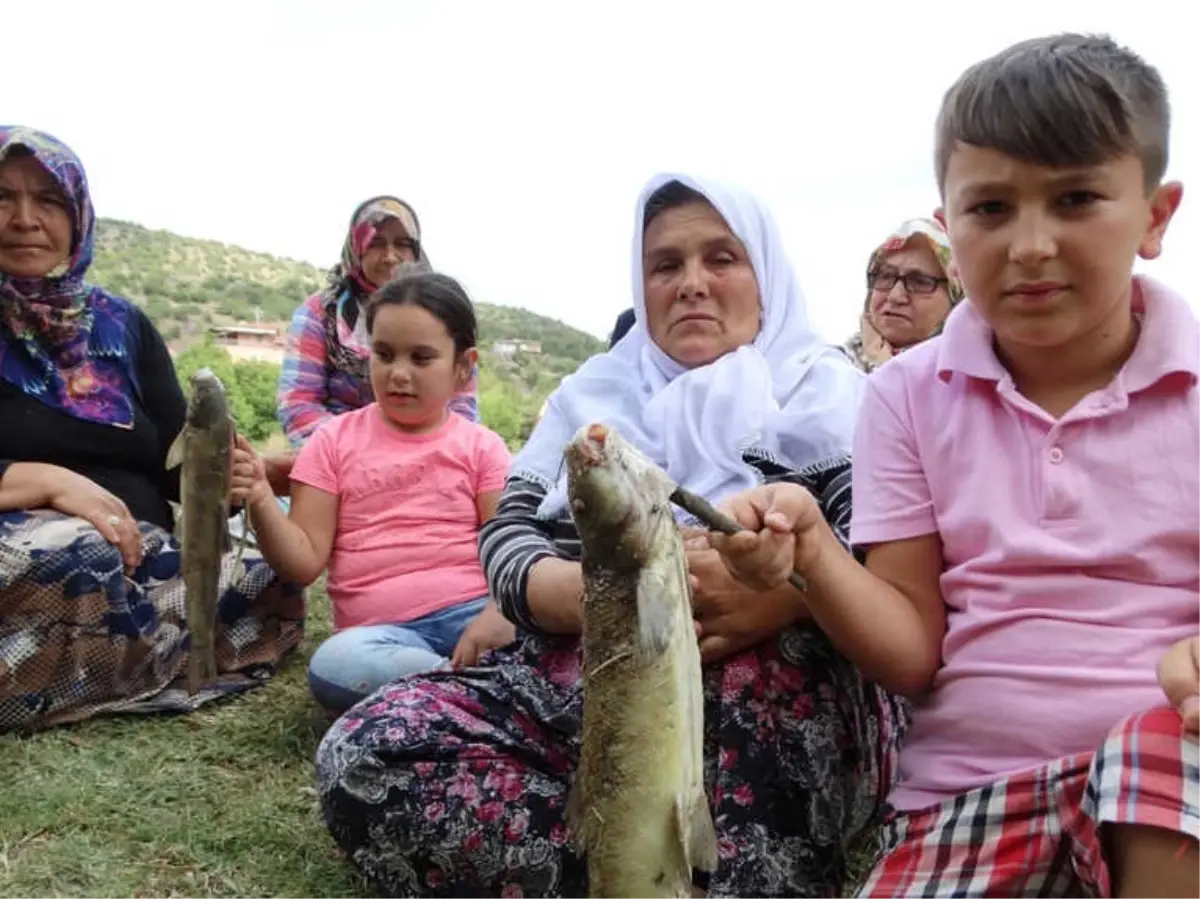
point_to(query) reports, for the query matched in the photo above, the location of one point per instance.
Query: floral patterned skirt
(78, 638)
(454, 783)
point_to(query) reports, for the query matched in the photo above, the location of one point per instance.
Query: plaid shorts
(1037, 833)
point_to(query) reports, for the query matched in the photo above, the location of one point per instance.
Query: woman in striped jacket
(454, 783)
(324, 369)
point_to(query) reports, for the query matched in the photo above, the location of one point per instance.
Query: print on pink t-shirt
(408, 524)
(1071, 547)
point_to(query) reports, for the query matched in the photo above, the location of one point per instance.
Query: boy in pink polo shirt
(1027, 497)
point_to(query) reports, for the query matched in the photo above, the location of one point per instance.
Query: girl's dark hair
(439, 295)
(670, 196)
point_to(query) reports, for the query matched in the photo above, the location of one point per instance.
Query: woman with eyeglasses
(911, 287)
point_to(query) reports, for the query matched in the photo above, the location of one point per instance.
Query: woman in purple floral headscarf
(92, 610)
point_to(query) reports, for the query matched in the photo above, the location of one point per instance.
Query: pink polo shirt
(1071, 546)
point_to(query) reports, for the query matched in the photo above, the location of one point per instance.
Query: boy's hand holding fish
(249, 484)
(785, 531)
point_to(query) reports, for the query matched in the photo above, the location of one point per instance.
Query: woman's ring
(114, 520)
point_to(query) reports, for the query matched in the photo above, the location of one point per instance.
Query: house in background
(261, 342)
(510, 346)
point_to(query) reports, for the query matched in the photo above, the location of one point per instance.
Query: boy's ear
(939, 216)
(1163, 203)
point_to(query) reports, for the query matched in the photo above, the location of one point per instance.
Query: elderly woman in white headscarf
(455, 784)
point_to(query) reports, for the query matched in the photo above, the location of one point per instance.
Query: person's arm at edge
(303, 392)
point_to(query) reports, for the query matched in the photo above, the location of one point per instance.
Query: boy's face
(1045, 254)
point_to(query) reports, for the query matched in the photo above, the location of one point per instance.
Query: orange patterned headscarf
(868, 347)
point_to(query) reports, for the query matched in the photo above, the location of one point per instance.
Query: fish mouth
(591, 448)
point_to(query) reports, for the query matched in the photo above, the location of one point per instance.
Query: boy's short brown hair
(1059, 101)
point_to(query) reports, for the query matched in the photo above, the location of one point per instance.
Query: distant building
(510, 347)
(245, 342)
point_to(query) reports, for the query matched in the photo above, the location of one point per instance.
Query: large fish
(637, 807)
(204, 448)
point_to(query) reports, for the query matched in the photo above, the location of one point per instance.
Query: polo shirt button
(1056, 455)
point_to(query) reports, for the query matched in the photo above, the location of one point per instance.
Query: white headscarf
(788, 393)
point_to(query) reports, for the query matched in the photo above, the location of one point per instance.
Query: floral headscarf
(345, 337)
(868, 347)
(63, 342)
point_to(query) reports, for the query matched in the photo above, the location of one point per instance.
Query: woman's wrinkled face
(911, 298)
(702, 298)
(35, 220)
(389, 246)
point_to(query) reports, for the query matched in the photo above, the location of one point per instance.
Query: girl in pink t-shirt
(390, 499)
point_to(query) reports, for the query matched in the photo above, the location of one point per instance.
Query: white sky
(522, 132)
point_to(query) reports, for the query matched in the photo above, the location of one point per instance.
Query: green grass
(219, 802)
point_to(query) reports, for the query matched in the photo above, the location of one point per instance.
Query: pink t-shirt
(408, 524)
(1071, 547)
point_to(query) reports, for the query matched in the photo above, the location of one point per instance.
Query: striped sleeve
(513, 541)
(829, 483)
(302, 392)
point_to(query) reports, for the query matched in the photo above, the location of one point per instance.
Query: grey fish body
(203, 449)
(638, 807)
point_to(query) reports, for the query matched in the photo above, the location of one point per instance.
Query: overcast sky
(522, 132)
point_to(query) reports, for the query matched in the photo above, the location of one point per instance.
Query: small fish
(637, 807)
(204, 448)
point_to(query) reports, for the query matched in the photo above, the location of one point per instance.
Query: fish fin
(696, 831)
(655, 610)
(175, 453)
(581, 826)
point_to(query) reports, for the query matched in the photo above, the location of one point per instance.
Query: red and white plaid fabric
(1036, 834)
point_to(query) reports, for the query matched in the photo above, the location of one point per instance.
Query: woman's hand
(488, 630)
(1179, 676)
(729, 615)
(73, 494)
(248, 482)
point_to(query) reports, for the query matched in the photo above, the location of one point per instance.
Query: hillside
(187, 285)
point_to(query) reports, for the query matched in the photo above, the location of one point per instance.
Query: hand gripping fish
(204, 448)
(637, 807)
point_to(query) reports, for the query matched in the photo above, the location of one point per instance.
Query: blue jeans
(354, 663)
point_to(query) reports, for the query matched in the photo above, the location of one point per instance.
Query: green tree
(502, 408)
(257, 381)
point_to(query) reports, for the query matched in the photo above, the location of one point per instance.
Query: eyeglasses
(914, 282)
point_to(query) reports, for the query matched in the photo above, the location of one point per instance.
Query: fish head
(207, 403)
(619, 499)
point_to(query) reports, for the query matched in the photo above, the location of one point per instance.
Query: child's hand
(248, 479)
(781, 522)
(488, 630)
(1179, 676)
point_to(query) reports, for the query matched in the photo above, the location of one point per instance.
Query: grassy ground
(216, 803)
